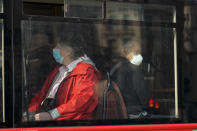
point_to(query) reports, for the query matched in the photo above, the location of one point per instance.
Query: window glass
(66, 8)
(1, 74)
(43, 7)
(83, 8)
(100, 9)
(138, 62)
(139, 12)
(189, 62)
(1, 6)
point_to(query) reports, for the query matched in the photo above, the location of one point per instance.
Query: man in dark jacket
(127, 74)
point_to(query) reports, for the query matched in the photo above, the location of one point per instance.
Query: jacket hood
(83, 66)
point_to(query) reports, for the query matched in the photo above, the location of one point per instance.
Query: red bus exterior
(163, 127)
(18, 23)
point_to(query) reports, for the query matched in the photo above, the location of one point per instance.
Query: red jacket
(76, 97)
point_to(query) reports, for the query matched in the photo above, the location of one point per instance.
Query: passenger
(128, 76)
(68, 91)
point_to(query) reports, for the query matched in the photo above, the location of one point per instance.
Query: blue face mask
(57, 56)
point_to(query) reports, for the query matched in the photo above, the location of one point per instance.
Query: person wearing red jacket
(68, 92)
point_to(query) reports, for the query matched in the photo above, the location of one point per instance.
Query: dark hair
(74, 41)
(131, 44)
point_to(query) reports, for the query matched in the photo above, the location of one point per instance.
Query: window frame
(2, 20)
(15, 15)
(6, 17)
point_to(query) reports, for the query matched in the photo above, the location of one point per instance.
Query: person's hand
(30, 118)
(43, 116)
(24, 119)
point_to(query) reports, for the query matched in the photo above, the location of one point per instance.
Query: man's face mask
(136, 59)
(56, 54)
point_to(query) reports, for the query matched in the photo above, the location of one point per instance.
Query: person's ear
(124, 51)
(68, 52)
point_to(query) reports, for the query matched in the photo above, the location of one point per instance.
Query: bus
(141, 56)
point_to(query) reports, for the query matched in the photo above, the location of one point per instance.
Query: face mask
(56, 54)
(136, 59)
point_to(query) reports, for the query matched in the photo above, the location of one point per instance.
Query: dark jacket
(130, 80)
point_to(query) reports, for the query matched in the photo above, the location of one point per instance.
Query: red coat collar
(80, 69)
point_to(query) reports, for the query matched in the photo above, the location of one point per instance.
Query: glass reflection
(190, 63)
(1, 6)
(144, 82)
(83, 8)
(44, 7)
(1, 74)
(139, 12)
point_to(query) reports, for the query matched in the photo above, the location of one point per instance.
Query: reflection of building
(83, 9)
(157, 46)
(117, 33)
(124, 11)
(190, 46)
(157, 42)
(44, 7)
(1, 64)
(1, 6)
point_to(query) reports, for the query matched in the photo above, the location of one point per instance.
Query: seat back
(110, 101)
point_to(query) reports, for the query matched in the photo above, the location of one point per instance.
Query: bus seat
(110, 101)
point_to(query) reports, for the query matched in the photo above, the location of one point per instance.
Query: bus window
(190, 55)
(66, 8)
(139, 12)
(141, 60)
(2, 104)
(83, 8)
(43, 7)
(152, 82)
(1, 6)
(40, 67)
